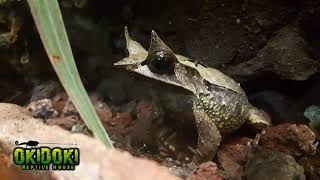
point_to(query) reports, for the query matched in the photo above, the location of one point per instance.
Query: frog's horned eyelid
(154, 35)
(126, 34)
(156, 44)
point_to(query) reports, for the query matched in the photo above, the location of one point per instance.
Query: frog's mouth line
(145, 71)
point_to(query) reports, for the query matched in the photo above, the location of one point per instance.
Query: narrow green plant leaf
(49, 22)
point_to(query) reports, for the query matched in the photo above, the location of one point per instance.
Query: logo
(35, 157)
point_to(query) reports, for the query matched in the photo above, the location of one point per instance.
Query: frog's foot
(257, 118)
(209, 137)
(255, 141)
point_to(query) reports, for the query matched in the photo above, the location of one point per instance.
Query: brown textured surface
(206, 171)
(265, 164)
(232, 156)
(296, 140)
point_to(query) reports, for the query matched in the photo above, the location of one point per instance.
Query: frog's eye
(160, 59)
(161, 63)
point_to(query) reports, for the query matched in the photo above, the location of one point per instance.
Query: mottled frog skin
(220, 106)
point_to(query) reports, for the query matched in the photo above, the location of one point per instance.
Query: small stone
(103, 110)
(69, 109)
(80, 127)
(205, 171)
(163, 151)
(42, 109)
(59, 101)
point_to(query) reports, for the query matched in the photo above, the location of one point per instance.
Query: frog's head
(159, 59)
(257, 118)
(162, 64)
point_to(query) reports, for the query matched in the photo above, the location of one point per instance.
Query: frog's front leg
(209, 137)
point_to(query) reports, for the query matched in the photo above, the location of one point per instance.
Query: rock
(285, 55)
(296, 140)
(69, 110)
(81, 127)
(58, 101)
(129, 107)
(12, 111)
(311, 165)
(224, 32)
(264, 164)
(103, 110)
(42, 109)
(65, 123)
(232, 156)
(97, 161)
(313, 114)
(118, 124)
(205, 171)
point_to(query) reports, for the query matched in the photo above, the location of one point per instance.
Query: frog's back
(225, 108)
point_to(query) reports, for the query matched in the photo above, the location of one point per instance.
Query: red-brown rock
(232, 156)
(205, 171)
(296, 140)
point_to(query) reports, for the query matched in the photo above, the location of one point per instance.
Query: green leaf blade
(49, 22)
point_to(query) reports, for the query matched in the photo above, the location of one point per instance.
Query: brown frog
(220, 106)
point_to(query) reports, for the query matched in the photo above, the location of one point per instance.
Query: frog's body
(220, 106)
(225, 108)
